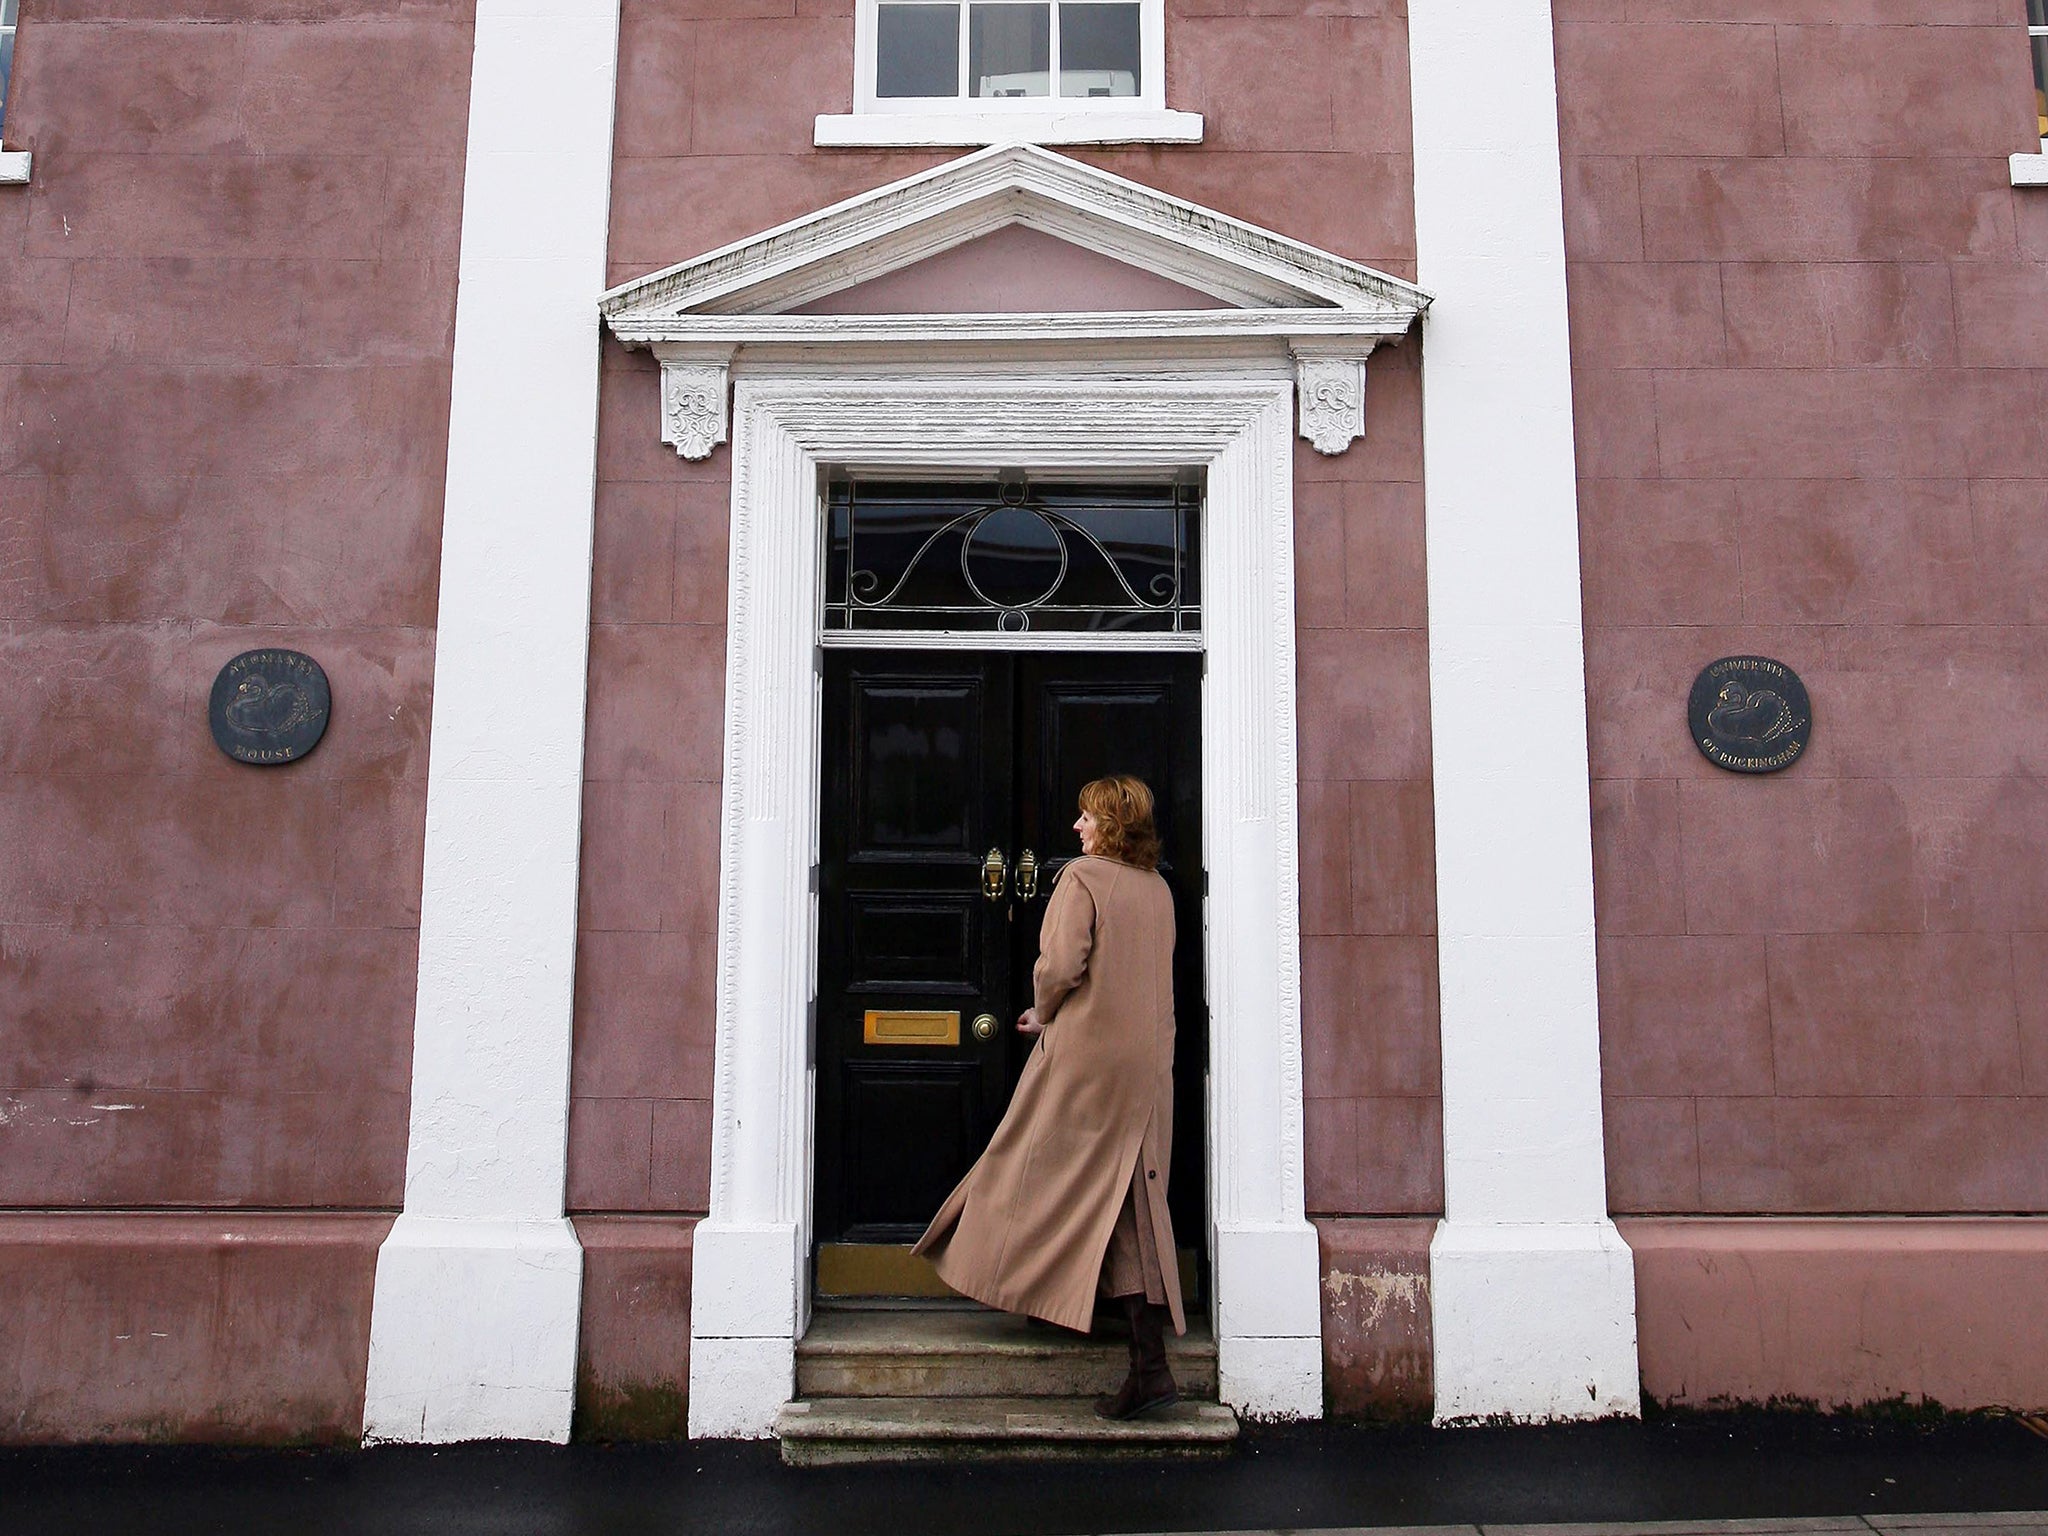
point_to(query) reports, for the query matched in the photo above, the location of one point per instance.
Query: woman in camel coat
(1069, 1200)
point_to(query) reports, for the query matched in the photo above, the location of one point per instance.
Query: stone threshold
(839, 1431)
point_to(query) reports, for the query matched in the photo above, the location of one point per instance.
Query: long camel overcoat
(1027, 1228)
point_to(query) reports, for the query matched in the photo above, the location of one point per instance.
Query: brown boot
(1150, 1383)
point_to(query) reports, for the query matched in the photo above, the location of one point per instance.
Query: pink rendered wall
(1811, 378)
(225, 319)
(1307, 132)
(1014, 270)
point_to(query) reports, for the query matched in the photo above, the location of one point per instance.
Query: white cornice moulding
(696, 380)
(14, 168)
(874, 233)
(855, 130)
(2031, 170)
(1036, 327)
(1274, 295)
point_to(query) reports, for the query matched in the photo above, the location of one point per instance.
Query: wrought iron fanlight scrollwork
(1011, 558)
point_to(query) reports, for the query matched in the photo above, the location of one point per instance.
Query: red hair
(1122, 808)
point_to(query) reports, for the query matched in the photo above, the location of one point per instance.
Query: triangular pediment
(943, 242)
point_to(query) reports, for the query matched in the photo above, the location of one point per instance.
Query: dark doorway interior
(949, 791)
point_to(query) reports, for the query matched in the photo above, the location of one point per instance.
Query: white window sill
(1080, 126)
(2031, 170)
(14, 168)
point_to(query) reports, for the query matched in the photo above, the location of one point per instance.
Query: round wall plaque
(1749, 714)
(269, 706)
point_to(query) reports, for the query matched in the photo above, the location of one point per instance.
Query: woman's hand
(1027, 1023)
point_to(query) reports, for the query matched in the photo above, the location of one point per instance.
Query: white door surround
(1088, 391)
(1234, 419)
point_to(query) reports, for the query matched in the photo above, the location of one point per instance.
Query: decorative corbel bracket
(1329, 387)
(695, 387)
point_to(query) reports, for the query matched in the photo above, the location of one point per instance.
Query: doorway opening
(947, 795)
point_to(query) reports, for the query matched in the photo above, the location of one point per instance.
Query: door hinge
(818, 661)
(813, 880)
(811, 1035)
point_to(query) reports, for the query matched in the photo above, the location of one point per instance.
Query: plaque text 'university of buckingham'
(1749, 714)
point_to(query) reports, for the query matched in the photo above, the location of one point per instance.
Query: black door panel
(919, 773)
(908, 1124)
(932, 759)
(923, 942)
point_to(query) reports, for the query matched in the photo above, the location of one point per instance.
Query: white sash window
(2030, 169)
(994, 71)
(14, 164)
(8, 11)
(2037, 37)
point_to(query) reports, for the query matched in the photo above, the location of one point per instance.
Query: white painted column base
(738, 1386)
(1533, 1321)
(747, 1284)
(1269, 1321)
(508, 1371)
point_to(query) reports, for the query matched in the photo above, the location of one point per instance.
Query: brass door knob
(984, 1026)
(1027, 875)
(994, 875)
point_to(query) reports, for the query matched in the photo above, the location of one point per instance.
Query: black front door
(948, 805)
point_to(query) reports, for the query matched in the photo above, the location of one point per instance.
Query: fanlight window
(1011, 558)
(928, 53)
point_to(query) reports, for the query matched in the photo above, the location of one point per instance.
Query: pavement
(1752, 1474)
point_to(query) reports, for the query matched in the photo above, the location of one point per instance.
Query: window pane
(1009, 50)
(917, 50)
(1099, 50)
(7, 11)
(2040, 42)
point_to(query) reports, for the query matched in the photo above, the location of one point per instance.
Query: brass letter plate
(911, 1026)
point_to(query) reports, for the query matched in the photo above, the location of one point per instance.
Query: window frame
(14, 164)
(2030, 167)
(10, 30)
(1151, 96)
(2036, 36)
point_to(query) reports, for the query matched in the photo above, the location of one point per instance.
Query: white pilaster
(1532, 1290)
(473, 1329)
(749, 1300)
(1268, 1273)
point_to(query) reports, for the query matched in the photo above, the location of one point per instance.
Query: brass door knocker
(1027, 876)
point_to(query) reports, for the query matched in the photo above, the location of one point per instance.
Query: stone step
(951, 1352)
(825, 1432)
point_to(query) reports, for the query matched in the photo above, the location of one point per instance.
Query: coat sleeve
(1063, 946)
